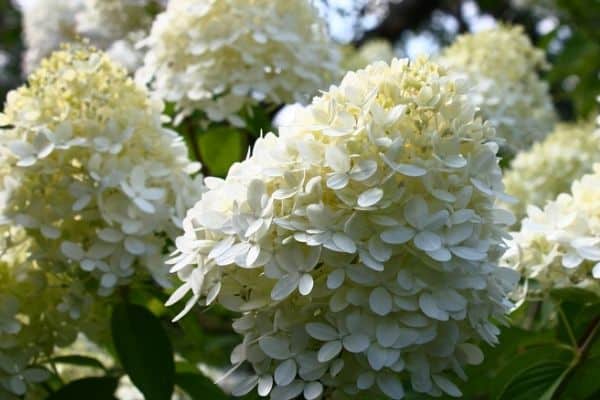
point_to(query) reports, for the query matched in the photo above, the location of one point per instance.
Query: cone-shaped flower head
(89, 171)
(549, 168)
(361, 245)
(219, 56)
(559, 246)
(501, 67)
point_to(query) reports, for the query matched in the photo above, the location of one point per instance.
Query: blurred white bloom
(367, 53)
(220, 56)
(550, 167)
(559, 245)
(47, 24)
(106, 21)
(360, 245)
(500, 65)
(113, 25)
(90, 173)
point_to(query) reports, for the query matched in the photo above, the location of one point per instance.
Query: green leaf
(574, 295)
(220, 147)
(144, 350)
(80, 361)
(584, 382)
(88, 389)
(199, 386)
(522, 359)
(536, 382)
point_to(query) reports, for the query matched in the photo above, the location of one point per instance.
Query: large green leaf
(583, 383)
(535, 382)
(220, 147)
(88, 389)
(522, 360)
(144, 350)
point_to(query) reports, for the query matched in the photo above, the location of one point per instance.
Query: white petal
(391, 386)
(288, 392)
(398, 235)
(245, 386)
(468, 253)
(427, 241)
(365, 380)
(329, 351)
(274, 347)
(416, 211)
(589, 253)
(344, 243)
(285, 286)
(285, 372)
(571, 260)
(321, 331)
(376, 356)
(356, 343)
(313, 390)
(265, 384)
(596, 271)
(144, 205)
(380, 301)
(430, 308)
(363, 170)
(446, 385)
(72, 250)
(337, 181)
(409, 169)
(458, 233)
(387, 333)
(135, 246)
(305, 285)
(336, 278)
(370, 197)
(442, 254)
(472, 354)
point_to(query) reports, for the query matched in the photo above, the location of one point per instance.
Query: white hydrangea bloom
(550, 167)
(113, 25)
(559, 245)
(33, 314)
(361, 244)
(369, 52)
(218, 56)
(89, 171)
(501, 67)
(106, 21)
(47, 24)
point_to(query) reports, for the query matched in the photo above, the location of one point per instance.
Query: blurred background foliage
(547, 352)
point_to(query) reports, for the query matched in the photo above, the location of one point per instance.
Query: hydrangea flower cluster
(361, 245)
(220, 56)
(113, 25)
(502, 66)
(47, 24)
(33, 313)
(90, 173)
(569, 152)
(369, 52)
(118, 25)
(559, 245)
